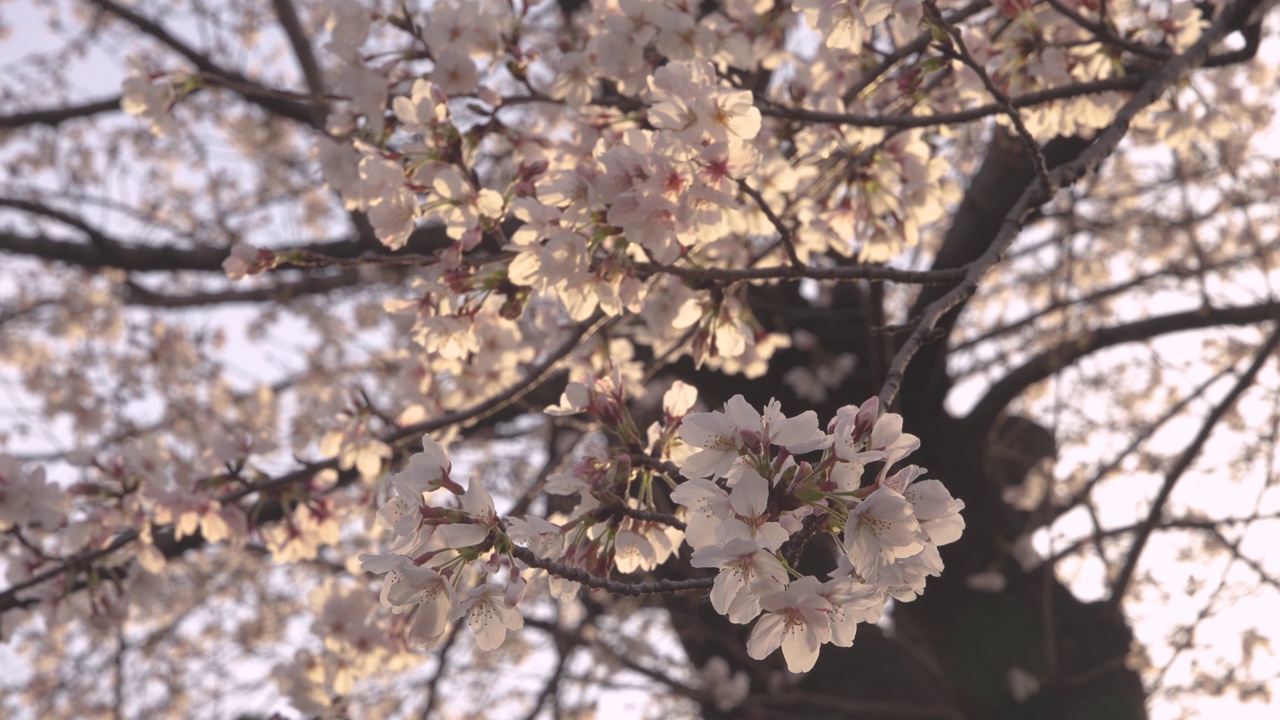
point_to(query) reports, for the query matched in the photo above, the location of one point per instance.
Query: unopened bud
(607, 410)
(866, 417)
(515, 591)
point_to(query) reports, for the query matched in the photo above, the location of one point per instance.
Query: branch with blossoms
(746, 491)
(33, 498)
(266, 98)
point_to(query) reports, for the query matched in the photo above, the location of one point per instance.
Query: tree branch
(251, 91)
(1125, 577)
(961, 52)
(1039, 97)
(279, 293)
(54, 117)
(1045, 364)
(103, 250)
(792, 272)
(537, 373)
(287, 14)
(1108, 140)
(617, 587)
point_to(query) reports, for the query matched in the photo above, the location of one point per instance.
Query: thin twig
(784, 232)
(791, 272)
(1038, 97)
(618, 587)
(1104, 34)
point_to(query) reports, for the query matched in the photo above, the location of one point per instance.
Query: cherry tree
(737, 358)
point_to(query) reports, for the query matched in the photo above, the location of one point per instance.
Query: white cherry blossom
(747, 573)
(708, 505)
(796, 620)
(880, 529)
(488, 614)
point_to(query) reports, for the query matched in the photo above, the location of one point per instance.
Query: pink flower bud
(866, 417)
(515, 591)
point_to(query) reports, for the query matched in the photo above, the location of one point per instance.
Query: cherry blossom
(748, 572)
(749, 500)
(488, 614)
(28, 498)
(796, 619)
(880, 529)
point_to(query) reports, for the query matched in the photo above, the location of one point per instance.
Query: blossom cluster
(435, 548)
(749, 498)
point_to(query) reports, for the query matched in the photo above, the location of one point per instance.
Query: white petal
(487, 625)
(707, 430)
(766, 636)
(750, 495)
(477, 501)
(726, 587)
(886, 431)
(800, 647)
(771, 535)
(459, 535)
(677, 401)
(708, 463)
(742, 414)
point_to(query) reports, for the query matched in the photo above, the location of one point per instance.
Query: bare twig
(1039, 97)
(1045, 364)
(784, 232)
(56, 116)
(288, 16)
(1104, 34)
(251, 91)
